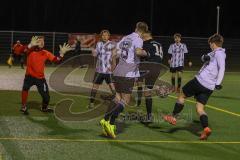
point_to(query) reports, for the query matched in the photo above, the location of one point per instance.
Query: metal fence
(196, 46)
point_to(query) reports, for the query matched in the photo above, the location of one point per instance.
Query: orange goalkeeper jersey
(36, 59)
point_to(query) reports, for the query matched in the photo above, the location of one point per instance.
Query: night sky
(189, 17)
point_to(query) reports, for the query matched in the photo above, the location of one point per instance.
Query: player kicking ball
(129, 49)
(203, 84)
(36, 58)
(103, 52)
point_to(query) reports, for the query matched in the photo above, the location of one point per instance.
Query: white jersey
(104, 56)
(212, 72)
(177, 51)
(128, 61)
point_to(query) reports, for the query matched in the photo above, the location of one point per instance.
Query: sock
(177, 108)
(204, 120)
(93, 95)
(118, 109)
(179, 82)
(110, 109)
(24, 97)
(139, 95)
(173, 81)
(148, 101)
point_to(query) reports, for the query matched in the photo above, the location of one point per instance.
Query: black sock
(118, 109)
(110, 109)
(148, 101)
(177, 108)
(139, 95)
(179, 82)
(93, 95)
(204, 120)
(173, 81)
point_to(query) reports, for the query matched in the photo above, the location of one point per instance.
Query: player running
(201, 87)
(103, 52)
(36, 58)
(149, 64)
(129, 49)
(177, 53)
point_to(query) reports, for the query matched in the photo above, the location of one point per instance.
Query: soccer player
(104, 69)
(129, 49)
(202, 85)
(17, 53)
(177, 53)
(154, 57)
(36, 58)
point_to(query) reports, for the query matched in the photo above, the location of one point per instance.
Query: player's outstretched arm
(64, 49)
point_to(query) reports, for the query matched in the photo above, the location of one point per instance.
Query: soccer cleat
(45, 108)
(102, 123)
(24, 110)
(170, 119)
(90, 106)
(110, 130)
(206, 132)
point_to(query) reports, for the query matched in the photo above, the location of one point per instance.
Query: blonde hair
(142, 27)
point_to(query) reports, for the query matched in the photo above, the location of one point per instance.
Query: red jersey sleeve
(52, 58)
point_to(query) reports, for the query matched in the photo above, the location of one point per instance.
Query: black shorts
(100, 77)
(150, 72)
(124, 84)
(194, 88)
(19, 57)
(41, 84)
(176, 69)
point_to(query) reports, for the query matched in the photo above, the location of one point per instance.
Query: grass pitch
(42, 136)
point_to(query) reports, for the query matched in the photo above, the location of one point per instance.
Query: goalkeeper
(201, 87)
(36, 58)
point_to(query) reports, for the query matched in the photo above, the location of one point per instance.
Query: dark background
(190, 17)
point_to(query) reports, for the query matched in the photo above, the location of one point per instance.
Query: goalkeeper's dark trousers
(42, 88)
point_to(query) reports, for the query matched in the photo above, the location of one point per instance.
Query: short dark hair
(177, 35)
(217, 39)
(142, 27)
(104, 31)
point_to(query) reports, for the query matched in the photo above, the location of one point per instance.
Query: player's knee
(179, 74)
(200, 109)
(96, 86)
(181, 99)
(25, 88)
(147, 93)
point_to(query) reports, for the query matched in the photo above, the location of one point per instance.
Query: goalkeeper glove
(34, 42)
(64, 49)
(218, 87)
(205, 58)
